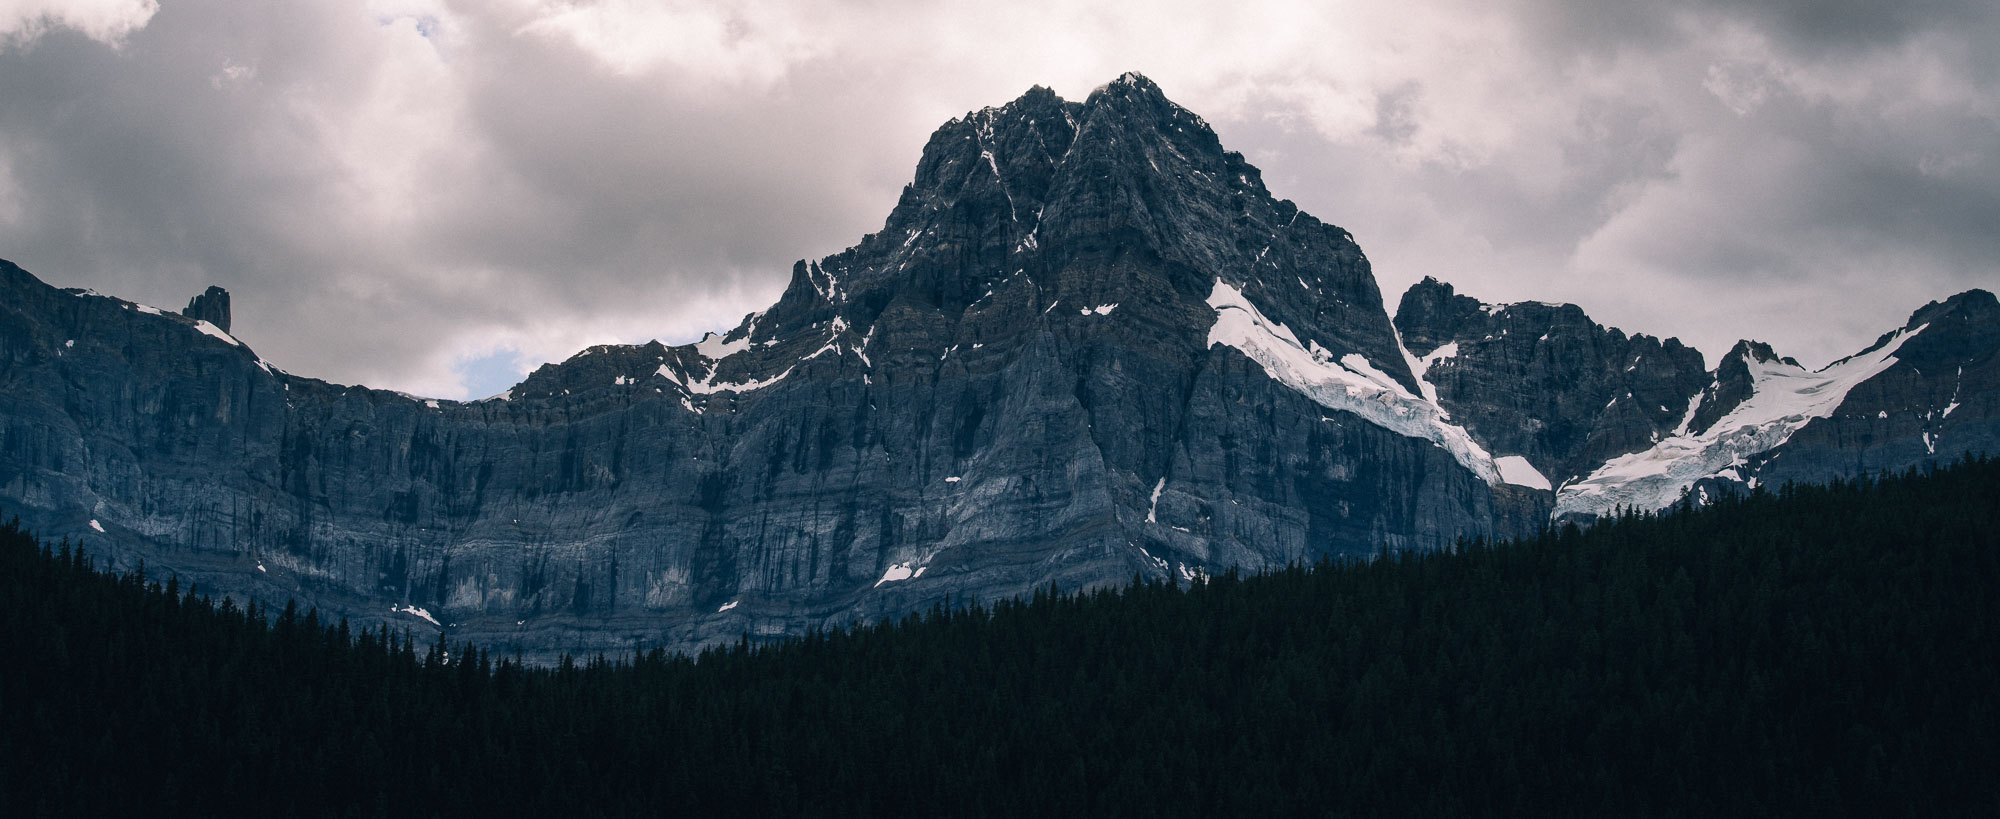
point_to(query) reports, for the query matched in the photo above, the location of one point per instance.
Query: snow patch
(1360, 364)
(1152, 512)
(706, 384)
(900, 572)
(727, 606)
(98, 526)
(1102, 309)
(1516, 470)
(212, 330)
(418, 612)
(1694, 405)
(1352, 384)
(1433, 357)
(1421, 367)
(714, 347)
(1784, 398)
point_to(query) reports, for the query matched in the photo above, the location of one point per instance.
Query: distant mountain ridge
(1087, 344)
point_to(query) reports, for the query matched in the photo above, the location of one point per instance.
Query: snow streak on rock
(1351, 384)
(1784, 398)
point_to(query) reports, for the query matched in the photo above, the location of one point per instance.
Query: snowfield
(1784, 399)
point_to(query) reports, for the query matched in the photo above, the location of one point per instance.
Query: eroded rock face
(1011, 384)
(211, 306)
(1634, 422)
(1939, 401)
(1545, 382)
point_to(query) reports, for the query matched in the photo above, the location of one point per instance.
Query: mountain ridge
(1124, 357)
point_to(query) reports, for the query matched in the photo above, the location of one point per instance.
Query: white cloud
(106, 21)
(754, 42)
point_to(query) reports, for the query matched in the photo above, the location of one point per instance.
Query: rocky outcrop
(1543, 381)
(211, 306)
(1763, 418)
(1939, 400)
(1618, 422)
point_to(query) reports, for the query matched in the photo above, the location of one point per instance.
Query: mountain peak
(1131, 84)
(1974, 304)
(1759, 352)
(1135, 80)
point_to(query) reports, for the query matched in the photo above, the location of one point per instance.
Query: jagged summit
(1133, 80)
(1042, 201)
(1759, 351)
(1544, 381)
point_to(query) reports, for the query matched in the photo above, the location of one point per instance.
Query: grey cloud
(1832, 28)
(575, 196)
(383, 197)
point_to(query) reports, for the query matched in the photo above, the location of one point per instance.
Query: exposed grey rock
(211, 306)
(1905, 401)
(1545, 382)
(1939, 402)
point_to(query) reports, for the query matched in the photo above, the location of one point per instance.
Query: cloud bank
(431, 196)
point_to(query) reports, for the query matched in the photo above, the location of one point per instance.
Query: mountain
(1633, 422)
(1087, 344)
(1923, 393)
(1544, 381)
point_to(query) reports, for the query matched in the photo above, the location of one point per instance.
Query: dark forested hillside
(1813, 650)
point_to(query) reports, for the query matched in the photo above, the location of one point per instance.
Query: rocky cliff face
(1939, 400)
(1545, 382)
(1634, 422)
(1086, 344)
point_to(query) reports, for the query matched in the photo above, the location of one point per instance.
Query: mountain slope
(1543, 381)
(1764, 418)
(1016, 381)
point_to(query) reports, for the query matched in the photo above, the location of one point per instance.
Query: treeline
(1811, 651)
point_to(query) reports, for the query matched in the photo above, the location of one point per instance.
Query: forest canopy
(1814, 649)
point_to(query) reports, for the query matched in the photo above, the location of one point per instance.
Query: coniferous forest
(1808, 651)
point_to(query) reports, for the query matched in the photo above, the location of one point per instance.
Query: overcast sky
(436, 196)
